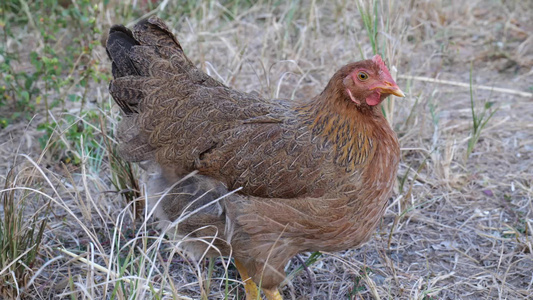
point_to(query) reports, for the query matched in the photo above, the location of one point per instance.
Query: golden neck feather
(349, 131)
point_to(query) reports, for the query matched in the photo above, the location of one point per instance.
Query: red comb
(377, 60)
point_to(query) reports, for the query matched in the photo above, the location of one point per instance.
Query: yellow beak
(389, 88)
(394, 91)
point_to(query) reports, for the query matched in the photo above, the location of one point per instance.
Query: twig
(310, 274)
(466, 85)
(160, 7)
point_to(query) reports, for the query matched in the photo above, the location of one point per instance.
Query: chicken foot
(252, 293)
(272, 294)
(250, 288)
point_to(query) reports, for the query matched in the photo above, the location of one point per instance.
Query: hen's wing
(184, 120)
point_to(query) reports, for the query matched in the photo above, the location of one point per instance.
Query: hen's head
(367, 82)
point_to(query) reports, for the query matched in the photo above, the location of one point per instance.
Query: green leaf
(25, 96)
(28, 82)
(73, 98)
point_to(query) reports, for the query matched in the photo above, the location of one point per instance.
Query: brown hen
(313, 175)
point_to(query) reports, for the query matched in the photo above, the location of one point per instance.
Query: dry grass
(457, 227)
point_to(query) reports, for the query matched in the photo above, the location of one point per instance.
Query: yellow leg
(252, 293)
(272, 294)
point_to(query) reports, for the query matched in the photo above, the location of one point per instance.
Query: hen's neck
(351, 132)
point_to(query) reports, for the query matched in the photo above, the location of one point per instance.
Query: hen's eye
(362, 76)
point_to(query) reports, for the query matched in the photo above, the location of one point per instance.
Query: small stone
(488, 193)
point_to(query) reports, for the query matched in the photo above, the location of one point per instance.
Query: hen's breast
(362, 185)
(367, 192)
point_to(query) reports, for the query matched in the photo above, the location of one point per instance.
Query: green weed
(479, 119)
(20, 238)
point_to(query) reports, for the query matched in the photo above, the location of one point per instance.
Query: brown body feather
(315, 174)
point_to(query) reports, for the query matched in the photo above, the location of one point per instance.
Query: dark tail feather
(119, 47)
(148, 52)
(133, 53)
(154, 32)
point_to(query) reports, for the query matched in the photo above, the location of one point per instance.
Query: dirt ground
(457, 227)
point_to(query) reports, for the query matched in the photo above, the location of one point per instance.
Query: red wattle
(373, 99)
